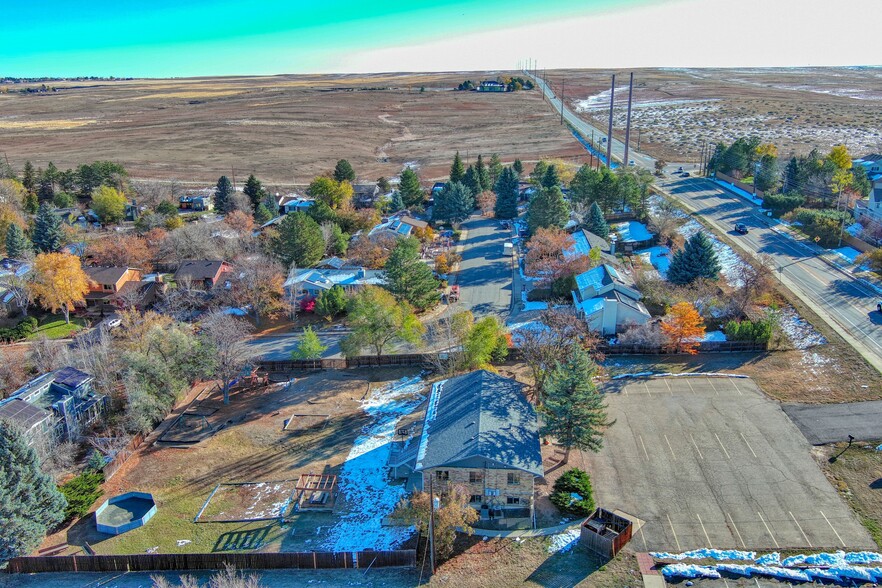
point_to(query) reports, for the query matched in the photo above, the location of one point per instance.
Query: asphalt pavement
(485, 272)
(832, 423)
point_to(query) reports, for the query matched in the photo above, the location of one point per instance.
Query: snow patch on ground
(849, 253)
(632, 231)
(800, 332)
(563, 542)
(714, 336)
(654, 206)
(743, 193)
(659, 257)
(730, 263)
(689, 571)
(363, 479)
(718, 554)
(855, 229)
(532, 305)
(580, 246)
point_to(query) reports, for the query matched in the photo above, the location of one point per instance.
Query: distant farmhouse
(478, 431)
(57, 406)
(491, 86)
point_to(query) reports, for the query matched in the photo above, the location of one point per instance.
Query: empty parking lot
(711, 462)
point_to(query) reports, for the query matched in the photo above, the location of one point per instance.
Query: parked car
(741, 228)
(112, 323)
(879, 306)
(680, 169)
(685, 175)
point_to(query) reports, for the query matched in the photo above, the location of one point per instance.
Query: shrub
(539, 294)
(746, 330)
(563, 287)
(781, 204)
(824, 226)
(20, 331)
(573, 494)
(81, 493)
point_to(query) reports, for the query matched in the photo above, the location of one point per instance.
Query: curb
(525, 533)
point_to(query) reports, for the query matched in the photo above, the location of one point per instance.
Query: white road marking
(723, 446)
(642, 536)
(748, 444)
(696, 446)
(769, 530)
(674, 532)
(690, 384)
(669, 447)
(831, 526)
(705, 531)
(645, 385)
(711, 382)
(800, 528)
(736, 386)
(737, 532)
(643, 446)
(668, 385)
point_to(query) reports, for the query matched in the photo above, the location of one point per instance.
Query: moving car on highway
(741, 228)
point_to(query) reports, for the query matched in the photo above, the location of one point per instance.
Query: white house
(398, 225)
(310, 282)
(872, 206)
(606, 302)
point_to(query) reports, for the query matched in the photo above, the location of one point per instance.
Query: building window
(514, 479)
(475, 477)
(475, 498)
(512, 500)
(442, 474)
(106, 287)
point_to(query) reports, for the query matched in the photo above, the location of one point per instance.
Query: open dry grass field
(285, 129)
(675, 110)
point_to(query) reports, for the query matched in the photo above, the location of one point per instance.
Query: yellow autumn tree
(9, 216)
(839, 157)
(766, 149)
(59, 282)
(684, 328)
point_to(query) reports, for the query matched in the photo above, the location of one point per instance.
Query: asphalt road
(842, 301)
(485, 273)
(676, 459)
(831, 423)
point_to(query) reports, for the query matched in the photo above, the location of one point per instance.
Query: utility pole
(563, 85)
(638, 139)
(609, 139)
(628, 122)
(431, 525)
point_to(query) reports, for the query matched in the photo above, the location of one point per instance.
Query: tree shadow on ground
(240, 540)
(567, 570)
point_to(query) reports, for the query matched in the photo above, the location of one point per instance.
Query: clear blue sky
(163, 38)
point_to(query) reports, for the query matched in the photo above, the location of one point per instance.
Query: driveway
(485, 273)
(711, 462)
(831, 423)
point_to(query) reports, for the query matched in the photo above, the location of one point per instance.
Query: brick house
(478, 431)
(106, 283)
(204, 274)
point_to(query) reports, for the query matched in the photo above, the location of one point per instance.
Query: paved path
(485, 273)
(831, 423)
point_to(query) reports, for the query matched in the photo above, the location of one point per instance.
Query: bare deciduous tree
(259, 285)
(227, 337)
(46, 355)
(756, 280)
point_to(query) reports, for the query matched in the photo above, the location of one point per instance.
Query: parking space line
(706, 536)
(723, 446)
(677, 541)
(757, 582)
(642, 536)
(696, 446)
(711, 382)
(831, 526)
(646, 386)
(748, 444)
(668, 385)
(737, 532)
(690, 384)
(643, 446)
(775, 541)
(674, 455)
(736, 386)
(800, 528)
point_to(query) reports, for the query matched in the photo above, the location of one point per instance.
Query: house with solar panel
(479, 432)
(58, 405)
(608, 302)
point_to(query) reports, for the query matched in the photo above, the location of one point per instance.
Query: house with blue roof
(398, 225)
(607, 302)
(478, 432)
(871, 207)
(307, 283)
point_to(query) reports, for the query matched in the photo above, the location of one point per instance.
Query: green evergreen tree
(582, 185)
(575, 413)
(48, 235)
(518, 166)
(330, 303)
(457, 170)
(494, 169)
(254, 190)
(263, 214)
(17, 243)
(338, 241)
(696, 260)
(343, 172)
(30, 503)
(384, 184)
(472, 180)
(538, 173)
(29, 177)
(507, 194)
(550, 178)
(548, 209)
(453, 204)
(595, 222)
(483, 175)
(300, 240)
(309, 346)
(409, 278)
(31, 203)
(412, 194)
(397, 203)
(45, 186)
(223, 195)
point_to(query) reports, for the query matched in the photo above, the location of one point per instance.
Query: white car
(112, 323)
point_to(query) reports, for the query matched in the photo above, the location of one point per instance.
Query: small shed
(605, 533)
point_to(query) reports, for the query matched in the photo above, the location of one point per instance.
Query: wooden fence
(408, 359)
(308, 560)
(730, 180)
(705, 347)
(124, 454)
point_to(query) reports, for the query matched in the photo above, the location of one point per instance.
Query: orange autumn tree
(684, 327)
(59, 282)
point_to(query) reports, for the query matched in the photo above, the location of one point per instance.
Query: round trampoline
(125, 512)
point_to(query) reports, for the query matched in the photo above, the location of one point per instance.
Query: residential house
(607, 302)
(58, 405)
(491, 86)
(107, 283)
(479, 432)
(365, 195)
(335, 263)
(10, 268)
(291, 203)
(398, 225)
(204, 274)
(198, 200)
(308, 283)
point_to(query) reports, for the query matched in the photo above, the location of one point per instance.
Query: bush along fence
(308, 560)
(122, 456)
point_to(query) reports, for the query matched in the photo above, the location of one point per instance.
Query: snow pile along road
(800, 332)
(563, 542)
(363, 480)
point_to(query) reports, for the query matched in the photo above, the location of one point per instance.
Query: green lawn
(53, 327)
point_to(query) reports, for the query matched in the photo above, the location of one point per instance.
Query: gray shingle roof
(480, 415)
